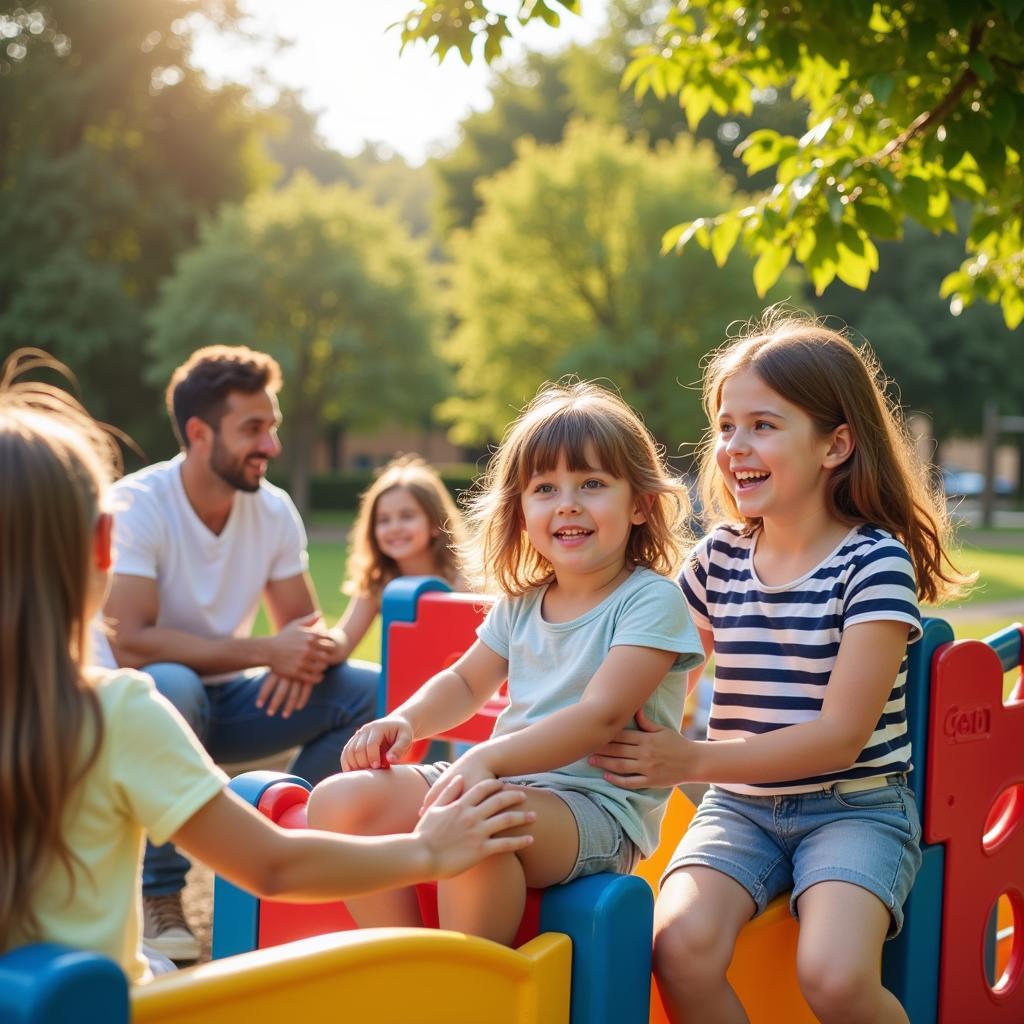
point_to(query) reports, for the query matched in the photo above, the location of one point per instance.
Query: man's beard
(231, 471)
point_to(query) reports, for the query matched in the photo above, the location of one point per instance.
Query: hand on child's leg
(839, 955)
(488, 900)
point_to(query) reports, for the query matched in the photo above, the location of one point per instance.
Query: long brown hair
(54, 464)
(369, 570)
(882, 482)
(563, 419)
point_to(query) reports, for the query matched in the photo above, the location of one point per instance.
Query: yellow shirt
(150, 777)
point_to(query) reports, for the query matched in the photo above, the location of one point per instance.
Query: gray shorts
(604, 845)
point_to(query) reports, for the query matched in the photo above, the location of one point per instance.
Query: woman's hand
(459, 831)
(472, 768)
(647, 757)
(378, 744)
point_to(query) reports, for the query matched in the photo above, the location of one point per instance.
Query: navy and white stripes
(775, 646)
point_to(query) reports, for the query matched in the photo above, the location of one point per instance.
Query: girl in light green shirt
(90, 761)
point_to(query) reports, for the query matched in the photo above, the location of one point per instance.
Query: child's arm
(304, 865)
(867, 663)
(707, 641)
(626, 678)
(350, 629)
(445, 700)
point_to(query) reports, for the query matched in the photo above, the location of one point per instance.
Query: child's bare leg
(697, 918)
(488, 899)
(373, 803)
(839, 955)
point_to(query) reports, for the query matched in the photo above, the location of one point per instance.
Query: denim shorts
(603, 843)
(768, 844)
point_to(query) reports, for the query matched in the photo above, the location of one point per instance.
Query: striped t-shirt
(775, 646)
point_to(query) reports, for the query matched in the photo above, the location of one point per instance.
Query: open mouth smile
(571, 534)
(749, 479)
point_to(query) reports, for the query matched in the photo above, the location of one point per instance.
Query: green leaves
(769, 267)
(446, 25)
(764, 148)
(994, 272)
(560, 272)
(909, 109)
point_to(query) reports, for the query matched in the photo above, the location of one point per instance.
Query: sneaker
(165, 929)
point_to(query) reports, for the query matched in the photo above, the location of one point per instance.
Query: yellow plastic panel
(378, 976)
(763, 970)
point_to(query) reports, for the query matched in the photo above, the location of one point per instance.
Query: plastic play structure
(584, 955)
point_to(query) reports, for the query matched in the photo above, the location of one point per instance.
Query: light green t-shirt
(151, 776)
(551, 663)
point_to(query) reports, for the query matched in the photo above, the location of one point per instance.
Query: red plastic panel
(444, 629)
(282, 797)
(280, 922)
(976, 752)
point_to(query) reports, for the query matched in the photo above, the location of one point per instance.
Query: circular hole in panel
(1004, 818)
(1004, 944)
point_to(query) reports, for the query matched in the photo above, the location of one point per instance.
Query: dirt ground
(198, 902)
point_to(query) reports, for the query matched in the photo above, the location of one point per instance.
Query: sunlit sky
(348, 68)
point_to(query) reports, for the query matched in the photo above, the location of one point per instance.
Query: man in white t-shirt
(199, 541)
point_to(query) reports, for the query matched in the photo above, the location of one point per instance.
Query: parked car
(966, 483)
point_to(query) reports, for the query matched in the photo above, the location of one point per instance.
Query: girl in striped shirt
(807, 594)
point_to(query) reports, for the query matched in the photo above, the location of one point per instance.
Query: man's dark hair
(201, 385)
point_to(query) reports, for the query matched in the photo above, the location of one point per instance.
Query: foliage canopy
(560, 273)
(914, 107)
(330, 285)
(112, 148)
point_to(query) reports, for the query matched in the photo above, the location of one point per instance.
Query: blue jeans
(225, 718)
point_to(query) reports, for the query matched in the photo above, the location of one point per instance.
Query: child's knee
(367, 802)
(690, 949)
(343, 803)
(832, 983)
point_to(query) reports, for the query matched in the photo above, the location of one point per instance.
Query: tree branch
(930, 118)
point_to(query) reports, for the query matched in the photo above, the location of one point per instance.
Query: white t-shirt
(210, 584)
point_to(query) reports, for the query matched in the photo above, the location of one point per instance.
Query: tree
(911, 108)
(560, 274)
(295, 144)
(528, 100)
(946, 366)
(540, 95)
(330, 285)
(112, 147)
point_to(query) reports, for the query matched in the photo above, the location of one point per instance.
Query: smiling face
(772, 458)
(401, 526)
(580, 520)
(245, 440)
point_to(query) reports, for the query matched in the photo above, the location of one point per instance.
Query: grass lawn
(998, 559)
(1000, 575)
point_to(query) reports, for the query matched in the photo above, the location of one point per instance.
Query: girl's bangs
(568, 434)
